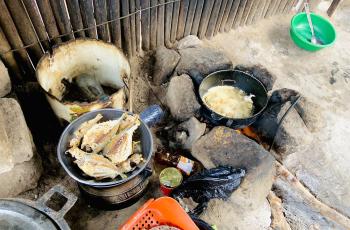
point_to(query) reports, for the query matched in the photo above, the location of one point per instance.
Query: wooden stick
(145, 21)
(259, 11)
(126, 28)
(253, 12)
(9, 59)
(160, 28)
(132, 18)
(175, 19)
(266, 7)
(289, 6)
(246, 12)
(154, 25)
(25, 29)
(49, 21)
(115, 27)
(62, 18)
(35, 17)
(271, 8)
(276, 7)
(138, 26)
(75, 17)
(333, 7)
(239, 14)
(10, 32)
(213, 19)
(197, 17)
(281, 6)
(232, 15)
(100, 17)
(190, 17)
(168, 20)
(225, 15)
(220, 16)
(87, 14)
(182, 19)
(208, 6)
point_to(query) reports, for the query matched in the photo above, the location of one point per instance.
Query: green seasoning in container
(169, 179)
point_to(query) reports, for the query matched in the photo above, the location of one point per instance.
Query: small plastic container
(162, 211)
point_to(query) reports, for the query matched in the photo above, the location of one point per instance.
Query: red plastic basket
(162, 211)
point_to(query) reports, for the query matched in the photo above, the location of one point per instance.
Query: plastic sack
(212, 183)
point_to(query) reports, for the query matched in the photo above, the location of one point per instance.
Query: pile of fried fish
(106, 149)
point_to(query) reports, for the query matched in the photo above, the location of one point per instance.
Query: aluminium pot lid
(20, 216)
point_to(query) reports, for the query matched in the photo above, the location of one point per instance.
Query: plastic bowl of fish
(106, 147)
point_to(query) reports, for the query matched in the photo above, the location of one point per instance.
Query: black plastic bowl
(73, 170)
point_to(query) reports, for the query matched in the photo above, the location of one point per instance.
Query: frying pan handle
(41, 202)
(152, 115)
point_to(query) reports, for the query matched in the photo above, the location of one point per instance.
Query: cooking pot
(24, 214)
(148, 117)
(238, 79)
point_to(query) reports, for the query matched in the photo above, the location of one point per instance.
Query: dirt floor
(323, 77)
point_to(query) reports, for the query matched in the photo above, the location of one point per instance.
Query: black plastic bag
(218, 182)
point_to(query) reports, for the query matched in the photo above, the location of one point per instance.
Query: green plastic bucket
(301, 34)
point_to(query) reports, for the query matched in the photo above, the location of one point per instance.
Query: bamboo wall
(28, 28)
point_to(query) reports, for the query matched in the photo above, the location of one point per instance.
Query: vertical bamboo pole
(239, 14)
(126, 28)
(232, 15)
(259, 11)
(34, 14)
(138, 26)
(9, 59)
(276, 7)
(175, 19)
(87, 14)
(271, 8)
(49, 20)
(10, 32)
(190, 17)
(266, 7)
(197, 17)
(226, 15)
(182, 19)
(208, 6)
(246, 12)
(100, 12)
(281, 6)
(154, 21)
(145, 21)
(25, 29)
(132, 9)
(221, 16)
(252, 12)
(168, 20)
(333, 7)
(115, 27)
(160, 28)
(62, 18)
(213, 19)
(75, 17)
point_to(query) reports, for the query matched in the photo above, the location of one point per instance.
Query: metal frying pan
(149, 116)
(23, 214)
(238, 79)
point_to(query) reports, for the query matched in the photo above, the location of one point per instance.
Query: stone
(17, 130)
(224, 146)
(293, 135)
(190, 41)
(21, 177)
(312, 114)
(188, 132)
(5, 82)
(198, 62)
(6, 160)
(166, 61)
(260, 73)
(181, 99)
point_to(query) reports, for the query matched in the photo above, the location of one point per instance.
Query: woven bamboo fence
(29, 28)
